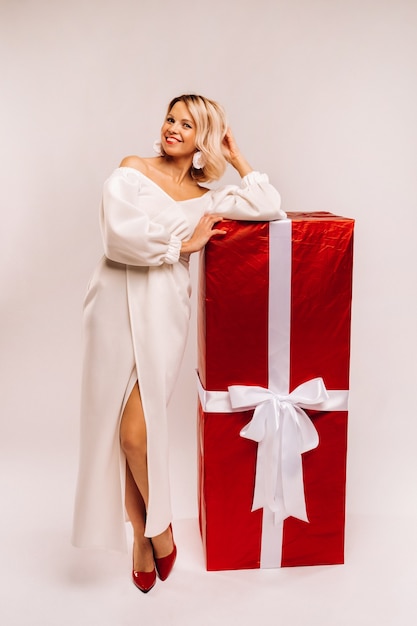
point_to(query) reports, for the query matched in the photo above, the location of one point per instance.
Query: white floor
(44, 581)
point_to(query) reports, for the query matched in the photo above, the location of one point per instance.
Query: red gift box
(274, 320)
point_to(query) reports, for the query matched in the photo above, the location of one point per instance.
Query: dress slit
(133, 379)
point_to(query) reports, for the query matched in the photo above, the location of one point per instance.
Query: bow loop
(309, 394)
(243, 397)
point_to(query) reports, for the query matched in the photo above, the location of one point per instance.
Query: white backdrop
(321, 94)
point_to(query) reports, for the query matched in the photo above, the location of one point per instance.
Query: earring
(198, 160)
(157, 147)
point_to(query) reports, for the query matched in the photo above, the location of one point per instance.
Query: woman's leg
(133, 442)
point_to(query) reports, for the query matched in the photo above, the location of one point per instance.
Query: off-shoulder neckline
(133, 169)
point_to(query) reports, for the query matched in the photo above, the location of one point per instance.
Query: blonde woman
(155, 212)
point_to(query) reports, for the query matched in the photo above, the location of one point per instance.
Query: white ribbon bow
(283, 432)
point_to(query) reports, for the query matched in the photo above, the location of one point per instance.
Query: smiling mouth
(171, 139)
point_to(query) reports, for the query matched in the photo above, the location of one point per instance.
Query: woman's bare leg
(134, 445)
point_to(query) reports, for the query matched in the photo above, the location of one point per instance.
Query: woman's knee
(133, 442)
(133, 426)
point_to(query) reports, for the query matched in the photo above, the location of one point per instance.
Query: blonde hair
(211, 126)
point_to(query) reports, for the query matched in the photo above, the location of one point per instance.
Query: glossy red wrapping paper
(233, 349)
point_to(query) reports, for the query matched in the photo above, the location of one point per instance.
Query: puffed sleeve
(130, 234)
(256, 200)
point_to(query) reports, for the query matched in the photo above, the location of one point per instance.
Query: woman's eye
(170, 119)
(187, 125)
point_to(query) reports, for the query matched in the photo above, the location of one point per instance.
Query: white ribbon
(283, 432)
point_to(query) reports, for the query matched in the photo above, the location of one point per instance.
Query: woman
(154, 214)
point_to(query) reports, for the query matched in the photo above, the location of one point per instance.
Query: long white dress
(136, 317)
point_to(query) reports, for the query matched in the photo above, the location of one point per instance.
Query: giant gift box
(273, 366)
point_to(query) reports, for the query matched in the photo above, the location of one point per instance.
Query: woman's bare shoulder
(143, 164)
(136, 162)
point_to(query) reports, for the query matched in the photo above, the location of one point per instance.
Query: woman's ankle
(163, 544)
(143, 559)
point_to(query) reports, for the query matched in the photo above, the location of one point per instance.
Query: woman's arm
(255, 200)
(202, 233)
(129, 235)
(234, 156)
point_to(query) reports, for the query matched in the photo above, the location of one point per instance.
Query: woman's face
(178, 132)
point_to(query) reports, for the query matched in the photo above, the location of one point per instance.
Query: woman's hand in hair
(233, 155)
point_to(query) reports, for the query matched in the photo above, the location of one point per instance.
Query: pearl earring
(198, 160)
(157, 147)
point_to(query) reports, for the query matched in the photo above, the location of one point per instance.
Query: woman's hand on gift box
(202, 233)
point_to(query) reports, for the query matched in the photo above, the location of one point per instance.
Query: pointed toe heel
(144, 580)
(165, 564)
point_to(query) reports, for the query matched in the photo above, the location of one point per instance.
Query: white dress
(136, 317)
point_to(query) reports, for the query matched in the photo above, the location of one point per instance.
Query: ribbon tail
(292, 466)
(263, 428)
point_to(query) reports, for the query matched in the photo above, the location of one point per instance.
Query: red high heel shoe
(144, 580)
(165, 564)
